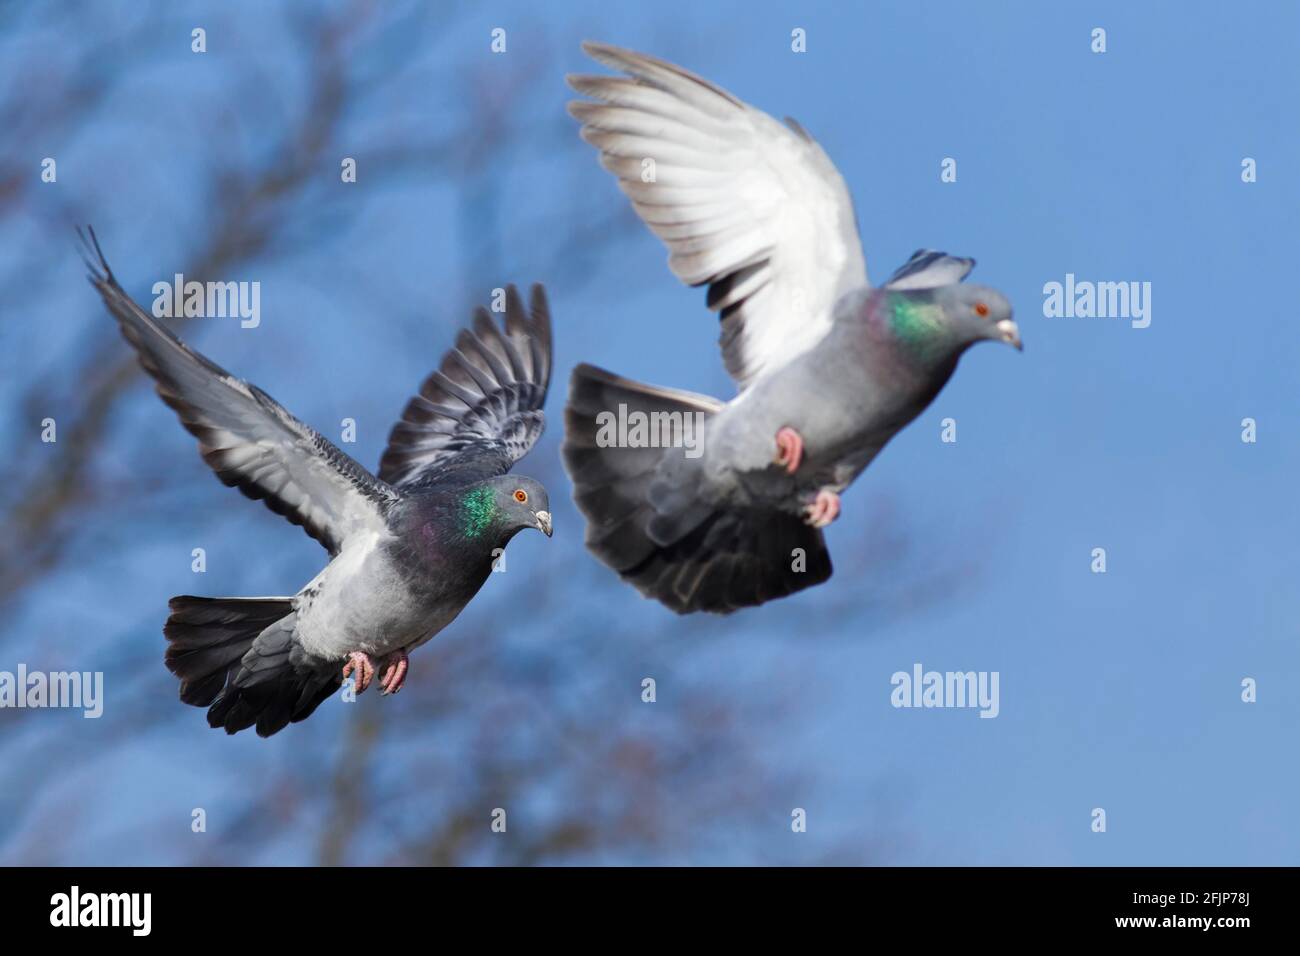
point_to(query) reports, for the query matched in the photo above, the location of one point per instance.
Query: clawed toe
(361, 668)
(395, 665)
(824, 509)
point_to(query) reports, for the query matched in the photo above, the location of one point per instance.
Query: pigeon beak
(1008, 332)
(544, 522)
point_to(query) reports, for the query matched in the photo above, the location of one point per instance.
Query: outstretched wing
(482, 410)
(753, 208)
(245, 436)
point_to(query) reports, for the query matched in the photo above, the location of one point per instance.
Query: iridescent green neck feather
(478, 511)
(916, 324)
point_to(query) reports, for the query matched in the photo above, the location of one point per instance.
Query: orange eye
(981, 309)
(521, 496)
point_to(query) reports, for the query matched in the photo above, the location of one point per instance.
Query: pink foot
(789, 449)
(363, 666)
(394, 666)
(824, 509)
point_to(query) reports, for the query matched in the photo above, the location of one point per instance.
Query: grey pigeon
(829, 368)
(408, 547)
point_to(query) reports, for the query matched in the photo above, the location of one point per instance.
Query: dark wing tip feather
(643, 66)
(799, 130)
(93, 256)
(499, 370)
(540, 312)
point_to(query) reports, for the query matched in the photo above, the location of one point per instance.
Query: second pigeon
(829, 368)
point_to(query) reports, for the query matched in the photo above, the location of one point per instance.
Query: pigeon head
(976, 312)
(500, 507)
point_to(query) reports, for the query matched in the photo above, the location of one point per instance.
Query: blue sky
(1118, 690)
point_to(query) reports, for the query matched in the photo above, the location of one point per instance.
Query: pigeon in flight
(408, 547)
(829, 368)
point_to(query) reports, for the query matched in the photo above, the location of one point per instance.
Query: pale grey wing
(245, 436)
(928, 269)
(753, 208)
(481, 411)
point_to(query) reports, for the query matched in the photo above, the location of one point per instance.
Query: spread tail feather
(232, 655)
(647, 522)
